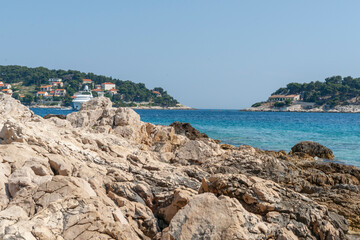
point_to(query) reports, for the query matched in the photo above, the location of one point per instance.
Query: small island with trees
(55, 88)
(335, 94)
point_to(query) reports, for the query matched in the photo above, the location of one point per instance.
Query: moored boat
(81, 97)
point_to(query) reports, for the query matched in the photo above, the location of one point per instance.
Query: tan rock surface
(104, 174)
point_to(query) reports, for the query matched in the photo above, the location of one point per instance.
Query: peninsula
(42, 87)
(102, 173)
(335, 94)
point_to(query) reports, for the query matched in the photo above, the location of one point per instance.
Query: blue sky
(207, 54)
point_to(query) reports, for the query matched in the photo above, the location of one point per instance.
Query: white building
(107, 86)
(275, 98)
(55, 80)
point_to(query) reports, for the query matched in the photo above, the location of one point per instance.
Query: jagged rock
(180, 199)
(284, 207)
(60, 116)
(207, 217)
(103, 174)
(313, 149)
(187, 130)
(59, 166)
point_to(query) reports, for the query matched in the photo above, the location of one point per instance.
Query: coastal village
(54, 92)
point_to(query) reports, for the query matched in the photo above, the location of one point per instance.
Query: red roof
(52, 91)
(5, 90)
(97, 90)
(113, 90)
(61, 90)
(108, 83)
(47, 86)
(41, 92)
(73, 96)
(87, 80)
(156, 92)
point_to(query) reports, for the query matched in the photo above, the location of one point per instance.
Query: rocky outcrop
(101, 173)
(187, 130)
(313, 149)
(48, 116)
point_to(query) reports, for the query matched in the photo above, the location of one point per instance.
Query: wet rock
(313, 149)
(187, 130)
(60, 116)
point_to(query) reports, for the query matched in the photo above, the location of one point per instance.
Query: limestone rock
(207, 217)
(101, 173)
(180, 199)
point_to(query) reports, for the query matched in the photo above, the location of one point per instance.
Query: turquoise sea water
(266, 130)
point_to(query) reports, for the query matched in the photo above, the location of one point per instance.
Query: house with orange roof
(107, 86)
(99, 92)
(7, 91)
(57, 84)
(85, 81)
(60, 92)
(113, 91)
(158, 94)
(45, 88)
(42, 94)
(7, 86)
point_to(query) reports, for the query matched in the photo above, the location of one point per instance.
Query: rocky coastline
(300, 108)
(101, 173)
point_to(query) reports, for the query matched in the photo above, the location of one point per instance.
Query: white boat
(81, 97)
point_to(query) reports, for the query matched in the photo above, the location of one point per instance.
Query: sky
(206, 53)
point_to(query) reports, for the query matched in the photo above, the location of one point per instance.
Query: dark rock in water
(48, 116)
(313, 149)
(187, 130)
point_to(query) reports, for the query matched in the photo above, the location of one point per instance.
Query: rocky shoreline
(101, 173)
(300, 108)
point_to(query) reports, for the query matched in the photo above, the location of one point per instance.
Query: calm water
(266, 130)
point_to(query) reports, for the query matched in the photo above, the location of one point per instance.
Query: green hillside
(333, 91)
(27, 81)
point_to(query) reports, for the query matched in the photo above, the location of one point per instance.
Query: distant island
(335, 94)
(55, 88)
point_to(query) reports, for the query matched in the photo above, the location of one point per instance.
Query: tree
(294, 88)
(28, 99)
(16, 96)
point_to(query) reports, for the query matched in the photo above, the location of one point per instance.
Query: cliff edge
(102, 173)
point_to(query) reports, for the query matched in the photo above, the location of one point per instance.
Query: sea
(265, 130)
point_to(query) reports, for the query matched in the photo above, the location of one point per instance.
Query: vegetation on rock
(334, 91)
(28, 81)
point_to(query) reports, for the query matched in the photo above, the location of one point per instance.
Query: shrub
(279, 104)
(258, 104)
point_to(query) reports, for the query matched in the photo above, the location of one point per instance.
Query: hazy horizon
(207, 54)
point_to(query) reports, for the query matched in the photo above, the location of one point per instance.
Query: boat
(81, 97)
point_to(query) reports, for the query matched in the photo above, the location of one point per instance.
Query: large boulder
(209, 217)
(313, 149)
(10, 107)
(187, 130)
(48, 116)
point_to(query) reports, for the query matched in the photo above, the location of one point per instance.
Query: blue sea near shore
(266, 130)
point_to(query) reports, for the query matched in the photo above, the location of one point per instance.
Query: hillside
(26, 82)
(334, 93)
